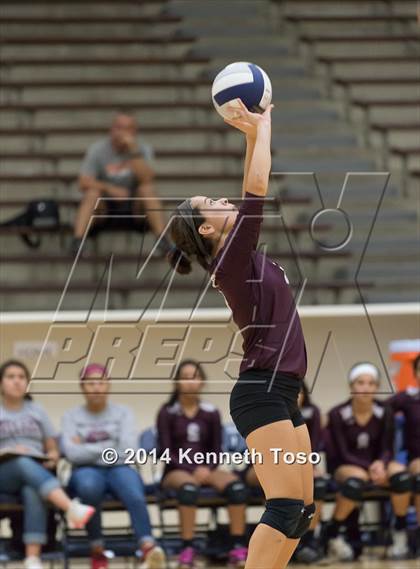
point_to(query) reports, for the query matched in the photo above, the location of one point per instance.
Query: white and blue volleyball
(241, 80)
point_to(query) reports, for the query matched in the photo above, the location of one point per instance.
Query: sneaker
(399, 548)
(340, 549)
(154, 558)
(32, 563)
(308, 555)
(237, 557)
(99, 561)
(186, 559)
(79, 514)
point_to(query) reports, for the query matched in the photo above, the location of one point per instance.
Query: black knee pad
(283, 514)
(304, 522)
(320, 488)
(187, 495)
(236, 492)
(353, 488)
(416, 484)
(401, 483)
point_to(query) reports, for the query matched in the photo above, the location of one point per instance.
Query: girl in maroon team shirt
(408, 404)
(361, 434)
(189, 425)
(263, 402)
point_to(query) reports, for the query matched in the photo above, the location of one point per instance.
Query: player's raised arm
(257, 128)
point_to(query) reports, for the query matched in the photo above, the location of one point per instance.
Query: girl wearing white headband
(364, 368)
(361, 431)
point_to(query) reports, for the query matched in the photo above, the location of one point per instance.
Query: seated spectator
(185, 422)
(87, 430)
(361, 431)
(309, 549)
(26, 437)
(119, 167)
(408, 403)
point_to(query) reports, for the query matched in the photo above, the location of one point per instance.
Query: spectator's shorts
(253, 403)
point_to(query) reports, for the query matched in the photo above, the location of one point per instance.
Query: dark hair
(9, 363)
(199, 370)
(306, 401)
(416, 363)
(188, 241)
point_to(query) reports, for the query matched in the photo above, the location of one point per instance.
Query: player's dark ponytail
(199, 370)
(188, 242)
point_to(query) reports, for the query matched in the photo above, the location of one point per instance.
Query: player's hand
(201, 474)
(246, 121)
(377, 472)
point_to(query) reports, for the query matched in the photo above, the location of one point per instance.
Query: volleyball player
(309, 549)
(263, 402)
(361, 430)
(408, 403)
(189, 424)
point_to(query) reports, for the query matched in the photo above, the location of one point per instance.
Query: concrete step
(206, 165)
(363, 187)
(288, 90)
(360, 27)
(345, 7)
(372, 69)
(102, 71)
(88, 9)
(386, 113)
(98, 50)
(78, 142)
(218, 9)
(354, 49)
(94, 116)
(185, 187)
(287, 113)
(379, 91)
(112, 28)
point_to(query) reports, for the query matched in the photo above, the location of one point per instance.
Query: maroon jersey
(201, 433)
(408, 403)
(312, 417)
(257, 291)
(361, 445)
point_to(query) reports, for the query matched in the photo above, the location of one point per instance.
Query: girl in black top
(263, 402)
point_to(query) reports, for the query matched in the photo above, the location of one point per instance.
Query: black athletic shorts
(253, 404)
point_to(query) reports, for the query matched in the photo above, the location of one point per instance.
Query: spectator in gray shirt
(87, 431)
(28, 452)
(119, 167)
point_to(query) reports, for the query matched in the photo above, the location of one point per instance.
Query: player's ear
(206, 229)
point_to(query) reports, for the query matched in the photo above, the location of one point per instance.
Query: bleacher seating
(67, 67)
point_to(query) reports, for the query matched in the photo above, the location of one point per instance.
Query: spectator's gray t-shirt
(103, 162)
(114, 427)
(29, 426)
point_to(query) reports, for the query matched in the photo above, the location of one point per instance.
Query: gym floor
(364, 564)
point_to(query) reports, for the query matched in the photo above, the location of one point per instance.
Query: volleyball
(241, 80)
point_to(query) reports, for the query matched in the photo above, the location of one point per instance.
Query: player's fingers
(268, 109)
